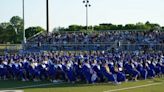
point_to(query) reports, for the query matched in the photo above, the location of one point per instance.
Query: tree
(129, 26)
(10, 35)
(75, 28)
(147, 23)
(140, 25)
(162, 28)
(104, 26)
(7, 33)
(3, 27)
(113, 27)
(31, 31)
(17, 24)
(120, 27)
(13, 31)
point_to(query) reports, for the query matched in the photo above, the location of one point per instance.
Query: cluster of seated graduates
(89, 67)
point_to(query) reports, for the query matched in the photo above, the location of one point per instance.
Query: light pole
(87, 5)
(47, 15)
(24, 36)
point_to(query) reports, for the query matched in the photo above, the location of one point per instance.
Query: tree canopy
(109, 26)
(31, 31)
(12, 31)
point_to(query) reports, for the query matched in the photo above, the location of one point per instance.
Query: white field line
(11, 91)
(31, 86)
(141, 86)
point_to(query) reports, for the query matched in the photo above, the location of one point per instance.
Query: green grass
(88, 87)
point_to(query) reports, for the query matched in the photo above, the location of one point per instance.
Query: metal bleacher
(32, 45)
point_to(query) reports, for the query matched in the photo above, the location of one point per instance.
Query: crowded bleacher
(132, 37)
(123, 40)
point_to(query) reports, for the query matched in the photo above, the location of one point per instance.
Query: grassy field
(153, 85)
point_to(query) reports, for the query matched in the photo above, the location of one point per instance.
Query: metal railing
(90, 47)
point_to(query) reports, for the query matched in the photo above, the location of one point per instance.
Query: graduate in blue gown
(97, 69)
(86, 70)
(121, 77)
(16, 70)
(131, 70)
(1, 70)
(162, 68)
(107, 73)
(68, 69)
(151, 72)
(34, 71)
(78, 70)
(41, 71)
(26, 66)
(158, 68)
(155, 68)
(143, 71)
(31, 72)
(60, 74)
(5, 70)
(51, 72)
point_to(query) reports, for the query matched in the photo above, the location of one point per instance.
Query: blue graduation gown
(110, 77)
(51, 71)
(86, 73)
(2, 70)
(99, 73)
(121, 76)
(143, 72)
(131, 71)
(69, 73)
(151, 72)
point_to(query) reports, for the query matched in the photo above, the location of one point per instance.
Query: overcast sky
(67, 12)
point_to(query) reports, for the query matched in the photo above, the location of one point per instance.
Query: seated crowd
(125, 37)
(89, 67)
